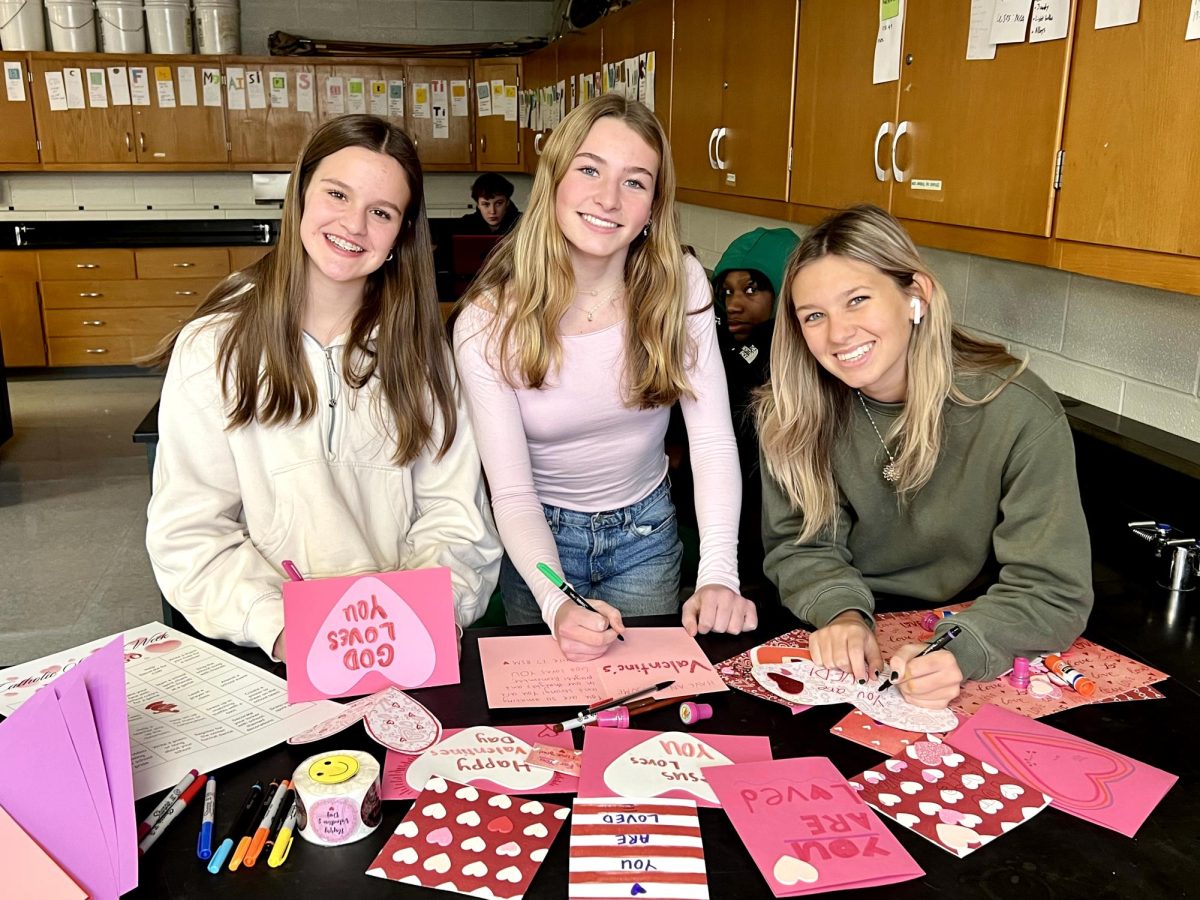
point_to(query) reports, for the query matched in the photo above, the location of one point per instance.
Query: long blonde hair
(804, 409)
(531, 284)
(263, 373)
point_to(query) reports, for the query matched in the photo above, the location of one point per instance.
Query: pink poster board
(361, 633)
(1082, 778)
(524, 672)
(632, 763)
(807, 829)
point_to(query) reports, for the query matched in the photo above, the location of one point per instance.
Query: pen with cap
(204, 841)
(280, 817)
(939, 644)
(569, 589)
(247, 838)
(243, 821)
(588, 716)
(283, 843)
(264, 826)
(177, 807)
(164, 805)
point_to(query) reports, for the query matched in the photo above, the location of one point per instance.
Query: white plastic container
(72, 25)
(218, 26)
(21, 26)
(168, 26)
(122, 28)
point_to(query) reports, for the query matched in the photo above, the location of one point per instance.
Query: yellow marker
(283, 843)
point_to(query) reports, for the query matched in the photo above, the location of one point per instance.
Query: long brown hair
(804, 409)
(528, 282)
(396, 336)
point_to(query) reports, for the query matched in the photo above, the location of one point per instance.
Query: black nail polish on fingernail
(893, 676)
(862, 681)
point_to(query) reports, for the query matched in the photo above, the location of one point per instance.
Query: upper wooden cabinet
(731, 133)
(497, 139)
(641, 28)
(456, 149)
(540, 70)
(1131, 163)
(579, 53)
(273, 135)
(18, 140)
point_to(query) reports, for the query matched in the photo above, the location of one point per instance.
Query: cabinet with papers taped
(444, 140)
(579, 54)
(18, 141)
(733, 63)
(120, 112)
(497, 132)
(268, 128)
(539, 76)
(633, 33)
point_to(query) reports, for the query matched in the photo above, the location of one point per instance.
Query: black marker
(939, 644)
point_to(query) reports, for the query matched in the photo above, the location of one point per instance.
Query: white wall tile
(386, 14)
(1021, 302)
(164, 190)
(1087, 383)
(435, 16)
(22, 216)
(41, 190)
(103, 190)
(224, 189)
(489, 15)
(953, 271)
(195, 213)
(1171, 411)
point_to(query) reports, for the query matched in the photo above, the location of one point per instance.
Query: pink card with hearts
(860, 728)
(1082, 778)
(464, 840)
(808, 830)
(361, 633)
(737, 670)
(632, 763)
(494, 759)
(954, 800)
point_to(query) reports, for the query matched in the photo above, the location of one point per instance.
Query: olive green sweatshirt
(1005, 483)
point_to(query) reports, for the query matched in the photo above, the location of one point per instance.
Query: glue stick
(1072, 676)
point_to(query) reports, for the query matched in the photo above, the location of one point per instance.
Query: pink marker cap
(691, 712)
(617, 717)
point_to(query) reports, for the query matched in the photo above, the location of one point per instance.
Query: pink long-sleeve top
(575, 443)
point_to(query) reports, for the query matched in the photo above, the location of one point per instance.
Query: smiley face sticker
(333, 769)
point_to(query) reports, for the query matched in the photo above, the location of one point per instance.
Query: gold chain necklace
(591, 313)
(891, 472)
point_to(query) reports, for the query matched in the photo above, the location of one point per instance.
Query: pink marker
(292, 572)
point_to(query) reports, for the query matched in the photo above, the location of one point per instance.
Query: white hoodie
(230, 504)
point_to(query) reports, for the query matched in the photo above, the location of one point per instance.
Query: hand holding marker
(567, 588)
(939, 644)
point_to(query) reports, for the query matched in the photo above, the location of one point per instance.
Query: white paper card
(650, 67)
(1010, 22)
(256, 90)
(164, 85)
(56, 91)
(396, 99)
(187, 85)
(356, 95)
(1110, 13)
(14, 81)
(510, 103)
(1049, 20)
(235, 87)
(379, 98)
(483, 98)
(888, 46)
(440, 97)
(277, 81)
(210, 86)
(1193, 28)
(97, 91)
(139, 85)
(335, 95)
(497, 97)
(73, 79)
(304, 92)
(458, 99)
(118, 83)
(421, 100)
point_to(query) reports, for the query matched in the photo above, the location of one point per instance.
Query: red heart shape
(786, 684)
(503, 825)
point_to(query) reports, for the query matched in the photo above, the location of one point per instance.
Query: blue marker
(204, 843)
(239, 828)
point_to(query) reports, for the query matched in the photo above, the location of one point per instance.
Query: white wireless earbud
(915, 303)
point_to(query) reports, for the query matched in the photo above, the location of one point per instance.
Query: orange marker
(243, 843)
(264, 826)
(1072, 676)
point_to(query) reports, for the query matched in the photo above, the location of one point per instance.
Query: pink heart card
(631, 763)
(954, 800)
(465, 840)
(361, 633)
(636, 848)
(1082, 778)
(495, 759)
(736, 671)
(807, 829)
(861, 729)
(398, 722)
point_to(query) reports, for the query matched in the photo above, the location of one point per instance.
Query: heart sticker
(402, 724)
(671, 761)
(789, 870)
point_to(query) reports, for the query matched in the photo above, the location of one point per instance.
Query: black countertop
(48, 235)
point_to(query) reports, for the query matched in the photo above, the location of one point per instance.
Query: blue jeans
(627, 557)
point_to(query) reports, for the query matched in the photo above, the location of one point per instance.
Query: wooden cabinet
(95, 135)
(241, 257)
(732, 135)
(579, 53)
(457, 149)
(499, 141)
(1131, 146)
(273, 136)
(540, 70)
(18, 140)
(641, 28)
(20, 314)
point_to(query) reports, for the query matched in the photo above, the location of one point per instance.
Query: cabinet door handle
(96, 350)
(142, 141)
(87, 265)
(537, 142)
(93, 323)
(483, 143)
(902, 129)
(880, 171)
(185, 293)
(128, 142)
(712, 137)
(183, 265)
(722, 164)
(91, 294)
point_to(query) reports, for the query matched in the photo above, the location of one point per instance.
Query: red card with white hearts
(860, 728)
(458, 838)
(736, 670)
(954, 800)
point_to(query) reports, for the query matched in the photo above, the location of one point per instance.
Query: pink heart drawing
(928, 752)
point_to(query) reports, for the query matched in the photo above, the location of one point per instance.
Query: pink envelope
(629, 763)
(1084, 779)
(491, 758)
(807, 829)
(361, 633)
(29, 873)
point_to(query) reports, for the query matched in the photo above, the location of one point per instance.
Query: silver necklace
(891, 473)
(591, 313)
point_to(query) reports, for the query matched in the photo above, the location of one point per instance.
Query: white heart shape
(989, 769)
(406, 855)
(856, 785)
(895, 765)
(971, 781)
(467, 793)
(951, 796)
(506, 752)
(475, 869)
(1011, 791)
(970, 820)
(788, 870)
(439, 863)
(889, 799)
(1008, 826)
(929, 808)
(473, 844)
(538, 855)
(434, 811)
(1028, 812)
(470, 817)
(533, 807)
(503, 801)
(537, 829)
(511, 873)
(910, 787)
(407, 828)
(872, 777)
(908, 820)
(671, 753)
(377, 873)
(990, 806)
(561, 813)
(954, 759)
(437, 784)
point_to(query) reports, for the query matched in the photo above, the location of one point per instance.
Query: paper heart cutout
(971, 781)
(1028, 812)
(895, 765)
(437, 784)
(538, 855)
(400, 723)
(502, 801)
(908, 820)
(788, 871)
(856, 785)
(954, 760)
(929, 808)
(473, 844)
(956, 837)
(434, 811)
(872, 777)
(629, 779)
(951, 816)
(407, 828)
(970, 820)
(926, 752)
(932, 776)
(501, 825)
(989, 769)
(512, 848)
(349, 714)
(951, 796)
(511, 873)
(1011, 791)
(532, 807)
(407, 665)
(467, 793)
(990, 805)
(440, 836)
(562, 812)
(888, 799)
(910, 787)
(406, 855)
(439, 863)
(509, 769)
(537, 829)
(469, 818)
(475, 869)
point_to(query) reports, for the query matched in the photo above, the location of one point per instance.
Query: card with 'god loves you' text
(362, 633)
